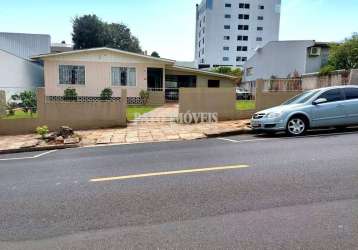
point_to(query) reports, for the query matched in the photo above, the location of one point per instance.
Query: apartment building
(228, 32)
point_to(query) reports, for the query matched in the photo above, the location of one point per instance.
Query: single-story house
(92, 70)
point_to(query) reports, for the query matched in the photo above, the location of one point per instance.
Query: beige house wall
(98, 66)
(78, 115)
(353, 77)
(156, 98)
(202, 80)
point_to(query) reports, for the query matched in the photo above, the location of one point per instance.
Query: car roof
(338, 87)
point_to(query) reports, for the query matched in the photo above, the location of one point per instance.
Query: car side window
(333, 95)
(351, 93)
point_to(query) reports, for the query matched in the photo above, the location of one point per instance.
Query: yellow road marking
(186, 171)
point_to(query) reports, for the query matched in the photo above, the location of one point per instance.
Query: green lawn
(245, 105)
(133, 110)
(19, 114)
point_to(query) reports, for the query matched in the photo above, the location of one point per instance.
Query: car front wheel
(296, 126)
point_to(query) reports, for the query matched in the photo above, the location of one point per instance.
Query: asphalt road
(279, 193)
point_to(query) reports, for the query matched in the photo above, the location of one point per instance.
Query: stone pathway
(167, 113)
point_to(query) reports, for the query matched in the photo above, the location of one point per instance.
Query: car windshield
(301, 98)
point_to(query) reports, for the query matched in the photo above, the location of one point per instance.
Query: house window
(260, 28)
(226, 48)
(72, 74)
(244, 59)
(226, 37)
(227, 16)
(123, 76)
(243, 27)
(260, 18)
(241, 48)
(244, 6)
(238, 58)
(242, 38)
(228, 5)
(244, 16)
(259, 39)
(261, 7)
(225, 59)
(249, 71)
(214, 83)
(227, 27)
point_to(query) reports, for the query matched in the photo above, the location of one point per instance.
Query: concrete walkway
(166, 113)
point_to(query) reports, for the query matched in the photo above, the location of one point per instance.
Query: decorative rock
(65, 131)
(59, 140)
(50, 136)
(73, 140)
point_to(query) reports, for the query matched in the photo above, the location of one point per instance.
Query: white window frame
(62, 79)
(116, 81)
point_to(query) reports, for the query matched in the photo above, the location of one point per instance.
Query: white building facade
(228, 32)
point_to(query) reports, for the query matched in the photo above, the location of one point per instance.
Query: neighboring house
(17, 71)
(228, 32)
(61, 47)
(90, 71)
(280, 59)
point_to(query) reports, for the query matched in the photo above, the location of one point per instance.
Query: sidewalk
(142, 132)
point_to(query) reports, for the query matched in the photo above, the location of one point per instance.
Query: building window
(123, 76)
(260, 18)
(225, 59)
(261, 7)
(226, 38)
(241, 48)
(244, 16)
(243, 27)
(214, 83)
(227, 16)
(244, 59)
(244, 6)
(259, 39)
(72, 74)
(228, 5)
(227, 27)
(249, 71)
(260, 28)
(226, 48)
(242, 38)
(238, 58)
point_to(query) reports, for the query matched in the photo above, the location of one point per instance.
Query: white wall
(17, 74)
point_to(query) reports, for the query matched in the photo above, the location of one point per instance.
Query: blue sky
(168, 25)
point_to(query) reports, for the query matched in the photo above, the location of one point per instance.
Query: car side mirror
(319, 101)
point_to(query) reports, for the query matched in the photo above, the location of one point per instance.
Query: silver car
(326, 107)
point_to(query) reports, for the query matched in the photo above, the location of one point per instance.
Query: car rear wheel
(296, 126)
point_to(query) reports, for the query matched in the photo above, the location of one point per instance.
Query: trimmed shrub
(70, 95)
(144, 95)
(326, 70)
(106, 94)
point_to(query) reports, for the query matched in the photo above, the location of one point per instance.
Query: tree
(345, 55)
(90, 32)
(28, 101)
(228, 71)
(155, 54)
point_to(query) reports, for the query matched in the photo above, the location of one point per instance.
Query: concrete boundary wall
(2, 103)
(208, 100)
(78, 115)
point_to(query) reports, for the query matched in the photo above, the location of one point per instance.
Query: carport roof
(201, 72)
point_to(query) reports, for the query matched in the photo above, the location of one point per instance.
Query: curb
(229, 133)
(37, 149)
